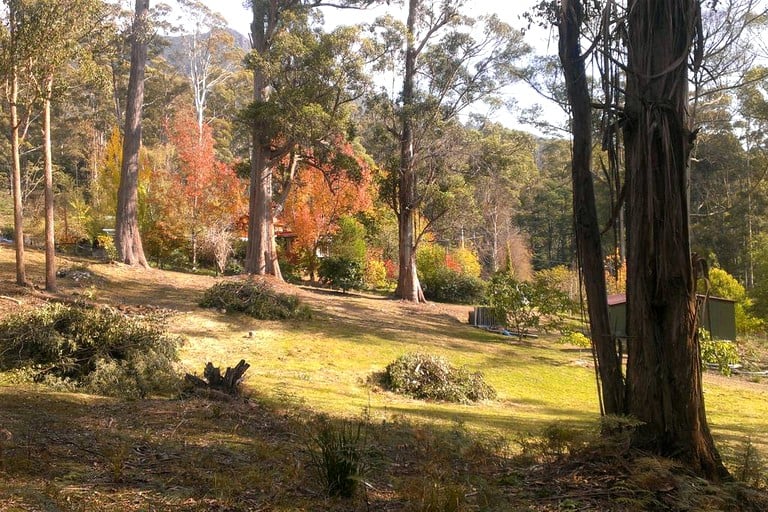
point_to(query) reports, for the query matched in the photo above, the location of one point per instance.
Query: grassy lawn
(326, 362)
(63, 451)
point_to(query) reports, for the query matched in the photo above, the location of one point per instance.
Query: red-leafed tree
(322, 195)
(208, 191)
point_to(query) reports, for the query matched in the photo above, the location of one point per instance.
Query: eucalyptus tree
(209, 52)
(128, 243)
(725, 62)
(664, 364)
(501, 165)
(587, 231)
(447, 62)
(727, 201)
(649, 108)
(226, 101)
(61, 34)
(304, 82)
(16, 50)
(753, 111)
(545, 213)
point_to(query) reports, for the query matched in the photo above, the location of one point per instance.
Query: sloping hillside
(526, 450)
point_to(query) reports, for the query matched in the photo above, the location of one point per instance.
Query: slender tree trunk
(194, 235)
(116, 95)
(495, 243)
(261, 250)
(50, 237)
(408, 286)
(588, 247)
(18, 208)
(664, 368)
(127, 237)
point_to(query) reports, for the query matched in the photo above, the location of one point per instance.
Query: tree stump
(229, 383)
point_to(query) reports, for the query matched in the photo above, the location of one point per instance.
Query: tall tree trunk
(18, 208)
(495, 243)
(408, 286)
(261, 250)
(588, 245)
(50, 237)
(127, 237)
(664, 368)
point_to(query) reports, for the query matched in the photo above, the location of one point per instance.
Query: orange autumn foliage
(320, 197)
(189, 196)
(208, 191)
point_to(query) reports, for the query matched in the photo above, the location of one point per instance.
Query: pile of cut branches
(255, 299)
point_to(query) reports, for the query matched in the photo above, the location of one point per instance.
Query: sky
(543, 41)
(239, 18)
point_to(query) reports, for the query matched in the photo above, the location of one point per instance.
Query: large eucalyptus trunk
(587, 230)
(261, 249)
(130, 250)
(664, 388)
(408, 286)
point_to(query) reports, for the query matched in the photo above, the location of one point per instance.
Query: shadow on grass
(509, 423)
(77, 452)
(341, 294)
(426, 329)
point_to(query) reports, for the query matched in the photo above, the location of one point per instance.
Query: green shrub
(445, 285)
(348, 242)
(724, 285)
(97, 350)
(430, 259)
(431, 377)
(341, 273)
(721, 353)
(254, 298)
(529, 304)
(375, 275)
(234, 268)
(557, 288)
(338, 454)
(107, 243)
(515, 301)
(576, 339)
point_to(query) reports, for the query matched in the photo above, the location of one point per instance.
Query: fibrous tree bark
(127, 237)
(587, 231)
(261, 251)
(664, 388)
(663, 383)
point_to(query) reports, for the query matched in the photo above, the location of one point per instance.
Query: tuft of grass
(751, 467)
(337, 451)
